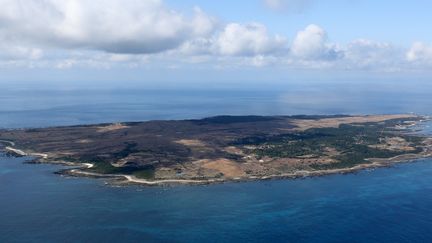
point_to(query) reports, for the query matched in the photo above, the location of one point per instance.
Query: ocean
(385, 204)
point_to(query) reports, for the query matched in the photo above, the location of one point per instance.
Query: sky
(207, 40)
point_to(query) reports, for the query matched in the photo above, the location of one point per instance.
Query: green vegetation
(348, 144)
(233, 119)
(129, 149)
(144, 173)
(104, 167)
(107, 168)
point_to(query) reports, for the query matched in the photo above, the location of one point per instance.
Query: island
(223, 148)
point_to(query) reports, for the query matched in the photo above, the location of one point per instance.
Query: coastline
(130, 179)
(124, 179)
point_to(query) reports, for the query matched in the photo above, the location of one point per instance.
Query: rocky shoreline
(123, 179)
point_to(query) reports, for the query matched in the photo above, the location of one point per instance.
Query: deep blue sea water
(387, 204)
(380, 205)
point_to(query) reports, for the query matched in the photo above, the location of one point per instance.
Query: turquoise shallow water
(387, 204)
(381, 205)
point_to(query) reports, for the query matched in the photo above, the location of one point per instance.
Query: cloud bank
(127, 26)
(106, 33)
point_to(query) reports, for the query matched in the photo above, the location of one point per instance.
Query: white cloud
(198, 46)
(117, 26)
(420, 52)
(311, 43)
(65, 64)
(17, 52)
(136, 33)
(202, 23)
(236, 39)
(363, 53)
(249, 39)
